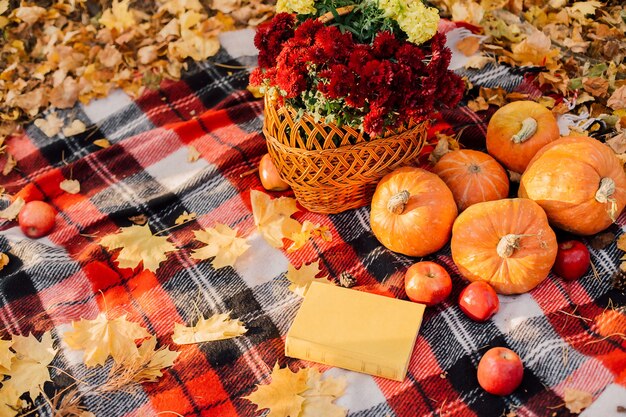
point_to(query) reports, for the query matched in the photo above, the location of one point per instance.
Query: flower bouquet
(349, 88)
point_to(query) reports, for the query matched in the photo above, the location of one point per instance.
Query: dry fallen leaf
(4, 261)
(70, 186)
(320, 394)
(75, 128)
(596, 86)
(222, 243)
(29, 369)
(139, 219)
(193, 154)
(118, 17)
(150, 362)
(6, 356)
(307, 231)
(282, 395)
(103, 143)
(618, 143)
(51, 125)
(138, 245)
(302, 278)
(299, 394)
(621, 242)
(273, 217)
(185, 217)
(216, 327)
(534, 50)
(469, 45)
(101, 338)
(577, 400)
(10, 163)
(618, 99)
(602, 240)
(13, 209)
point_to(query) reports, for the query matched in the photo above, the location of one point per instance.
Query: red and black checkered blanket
(558, 329)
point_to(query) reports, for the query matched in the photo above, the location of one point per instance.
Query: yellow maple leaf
(4, 261)
(307, 231)
(70, 186)
(102, 337)
(51, 125)
(216, 327)
(102, 143)
(286, 395)
(535, 50)
(282, 396)
(13, 210)
(192, 154)
(118, 16)
(302, 278)
(577, 400)
(29, 370)
(153, 361)
(76, 127)
(320, 394)
(273, 217)
(6, 356)
(138, 245)
(222, 243)
(621, 242)
(185, 217)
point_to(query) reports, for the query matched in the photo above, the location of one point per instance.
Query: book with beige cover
(355, 330)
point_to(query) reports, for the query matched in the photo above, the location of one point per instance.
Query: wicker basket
(332, 169)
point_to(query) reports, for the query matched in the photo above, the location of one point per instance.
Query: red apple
(500, 371)
(427, 283)
(36, 219)
(479, 301)
(572, 260)
(270, 178)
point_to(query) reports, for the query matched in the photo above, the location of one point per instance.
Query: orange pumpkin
(579, 182)
(506, 243)
(473, 177)
(412, 212)
(517, 131)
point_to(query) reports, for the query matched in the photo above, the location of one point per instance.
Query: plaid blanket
(558, 329)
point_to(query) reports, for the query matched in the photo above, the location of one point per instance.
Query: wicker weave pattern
(327, 178)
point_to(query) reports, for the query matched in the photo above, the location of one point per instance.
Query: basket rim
(273, 102)
(340, 149)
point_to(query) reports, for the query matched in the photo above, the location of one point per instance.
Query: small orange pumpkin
(517, 131)
(473, 177)
(412, 212)
(506, 243)
(579, 182)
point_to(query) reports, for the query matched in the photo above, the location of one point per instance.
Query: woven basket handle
(327, 17)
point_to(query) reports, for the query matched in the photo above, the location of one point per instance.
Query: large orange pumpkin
(517, 131)
(412, 212)
(507, 243)
(473, 177)
(579, 182)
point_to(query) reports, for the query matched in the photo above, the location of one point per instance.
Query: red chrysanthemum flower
(341, 81)
(374, 121)
(359, 56)
(334, 45)
(271, 36)
(305, 33)
(410, 55)
(385, 45)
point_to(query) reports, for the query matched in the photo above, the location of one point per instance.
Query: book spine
(306, 350)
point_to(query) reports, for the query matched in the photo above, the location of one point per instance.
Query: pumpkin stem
(397, 203)
(604, 195)
(508, 244)
(529, 127)
(473, 169)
